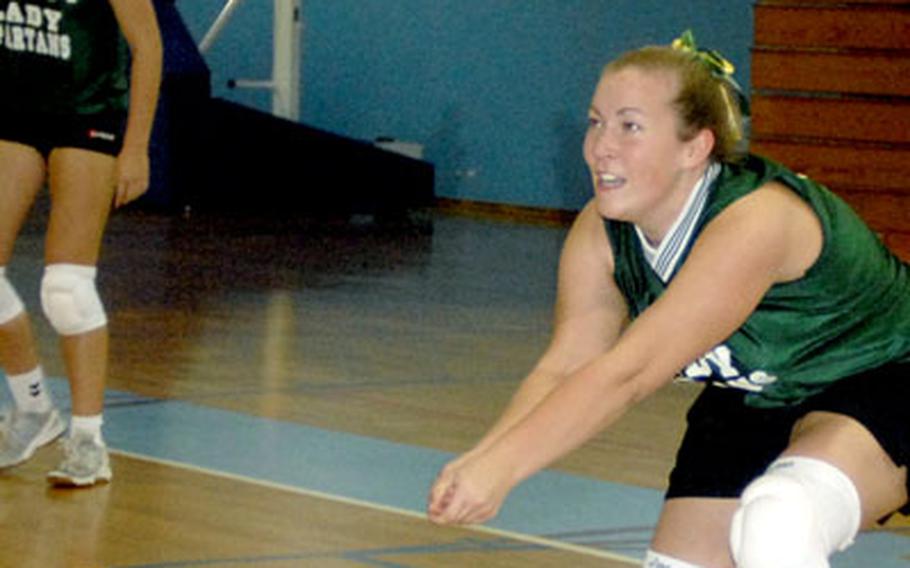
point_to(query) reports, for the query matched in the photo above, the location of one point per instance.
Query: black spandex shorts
(728, 444)
(97, 132)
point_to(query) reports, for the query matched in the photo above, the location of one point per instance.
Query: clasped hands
(469, 490)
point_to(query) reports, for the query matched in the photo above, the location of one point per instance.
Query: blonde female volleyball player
(693, 261)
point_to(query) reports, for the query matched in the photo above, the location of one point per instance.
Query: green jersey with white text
(850, 312)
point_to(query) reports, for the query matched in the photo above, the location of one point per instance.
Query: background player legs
(23, 175)
(82, 187)
(33, 421)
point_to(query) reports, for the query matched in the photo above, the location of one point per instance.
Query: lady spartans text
(33, 29)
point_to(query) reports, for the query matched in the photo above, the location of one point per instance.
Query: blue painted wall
(496, 90)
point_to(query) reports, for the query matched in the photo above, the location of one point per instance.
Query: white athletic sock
(657, 560)
(29, 391)
(87, 426)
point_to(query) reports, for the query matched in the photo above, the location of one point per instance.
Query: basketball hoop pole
(286, 59)
(287, 30)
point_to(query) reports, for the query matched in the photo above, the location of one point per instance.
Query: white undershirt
(664, 257)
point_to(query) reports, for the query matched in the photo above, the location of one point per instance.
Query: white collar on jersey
(664, 257)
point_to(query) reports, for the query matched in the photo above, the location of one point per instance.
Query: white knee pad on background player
(10, 302)
(70, 299)
(795, 515)
(658, 560)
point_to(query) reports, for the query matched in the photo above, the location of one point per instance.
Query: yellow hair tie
(719, 66)
(717, 63)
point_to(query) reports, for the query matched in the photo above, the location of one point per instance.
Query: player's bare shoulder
(776, 216)
(588, 238)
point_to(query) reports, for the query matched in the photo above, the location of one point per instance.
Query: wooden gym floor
(283, 393)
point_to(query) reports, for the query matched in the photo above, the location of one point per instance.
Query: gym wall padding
(257, 163)
(212, 155)
(185, 92)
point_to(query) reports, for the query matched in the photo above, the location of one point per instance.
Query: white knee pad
(795, 515)
(658, 560)
(70, 299)
(10, 302)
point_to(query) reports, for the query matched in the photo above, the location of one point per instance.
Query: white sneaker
(85, 462)
(21, 433)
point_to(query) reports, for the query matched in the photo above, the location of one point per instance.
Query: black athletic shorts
(728, 444)
(97, 132)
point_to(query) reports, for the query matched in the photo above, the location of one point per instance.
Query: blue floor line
(576, 509)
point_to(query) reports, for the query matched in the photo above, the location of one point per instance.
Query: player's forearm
(535, 388)
(145, 81)
(582, 406)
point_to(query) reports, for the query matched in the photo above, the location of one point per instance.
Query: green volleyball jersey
(61, 57)
(850, 312)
